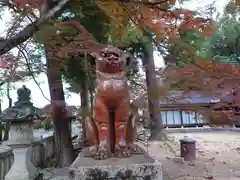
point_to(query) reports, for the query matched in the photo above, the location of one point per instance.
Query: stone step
(55, 174)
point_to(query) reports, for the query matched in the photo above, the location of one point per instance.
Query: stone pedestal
(20, 138)
(20, 133)
(6, 160)
(137, 167)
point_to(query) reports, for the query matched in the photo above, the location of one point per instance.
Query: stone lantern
(20, 118)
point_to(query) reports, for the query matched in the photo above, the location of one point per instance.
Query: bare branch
(7, 3)
(29, 30)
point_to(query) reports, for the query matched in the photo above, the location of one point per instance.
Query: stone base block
(22, 168)
(137, 167)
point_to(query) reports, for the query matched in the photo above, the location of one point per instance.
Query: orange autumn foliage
(157, 17)
(165, 23)
(8, 61)
(35, 4)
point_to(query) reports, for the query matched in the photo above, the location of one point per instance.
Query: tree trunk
(84, 101)
(84, 107)
(156, 124)
(85, 92)
(63, 141)
(8, 95)
(1, 124)
(6, 131)
(91, 99)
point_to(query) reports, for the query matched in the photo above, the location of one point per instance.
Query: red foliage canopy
(170, 23)
(8, 61)
(31, 3)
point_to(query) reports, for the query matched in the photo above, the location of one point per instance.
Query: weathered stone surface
(137, 167)
(5, 150)
(23, 110)
(6, 160)
(20, 138)
(86, 153)
(20, 133)
(22, 168)
(55, 174)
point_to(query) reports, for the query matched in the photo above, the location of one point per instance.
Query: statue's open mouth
(112, 58)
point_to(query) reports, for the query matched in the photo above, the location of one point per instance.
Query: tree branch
(7, 3)
(29, 30)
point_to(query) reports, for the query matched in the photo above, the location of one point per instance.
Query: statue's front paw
(102, 153)
(122, 151)
(92, 150)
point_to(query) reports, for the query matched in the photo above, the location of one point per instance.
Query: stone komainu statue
(111, 131)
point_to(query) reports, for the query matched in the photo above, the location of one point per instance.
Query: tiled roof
(192, 97)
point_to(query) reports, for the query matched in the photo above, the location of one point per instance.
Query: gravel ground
(218, 156)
